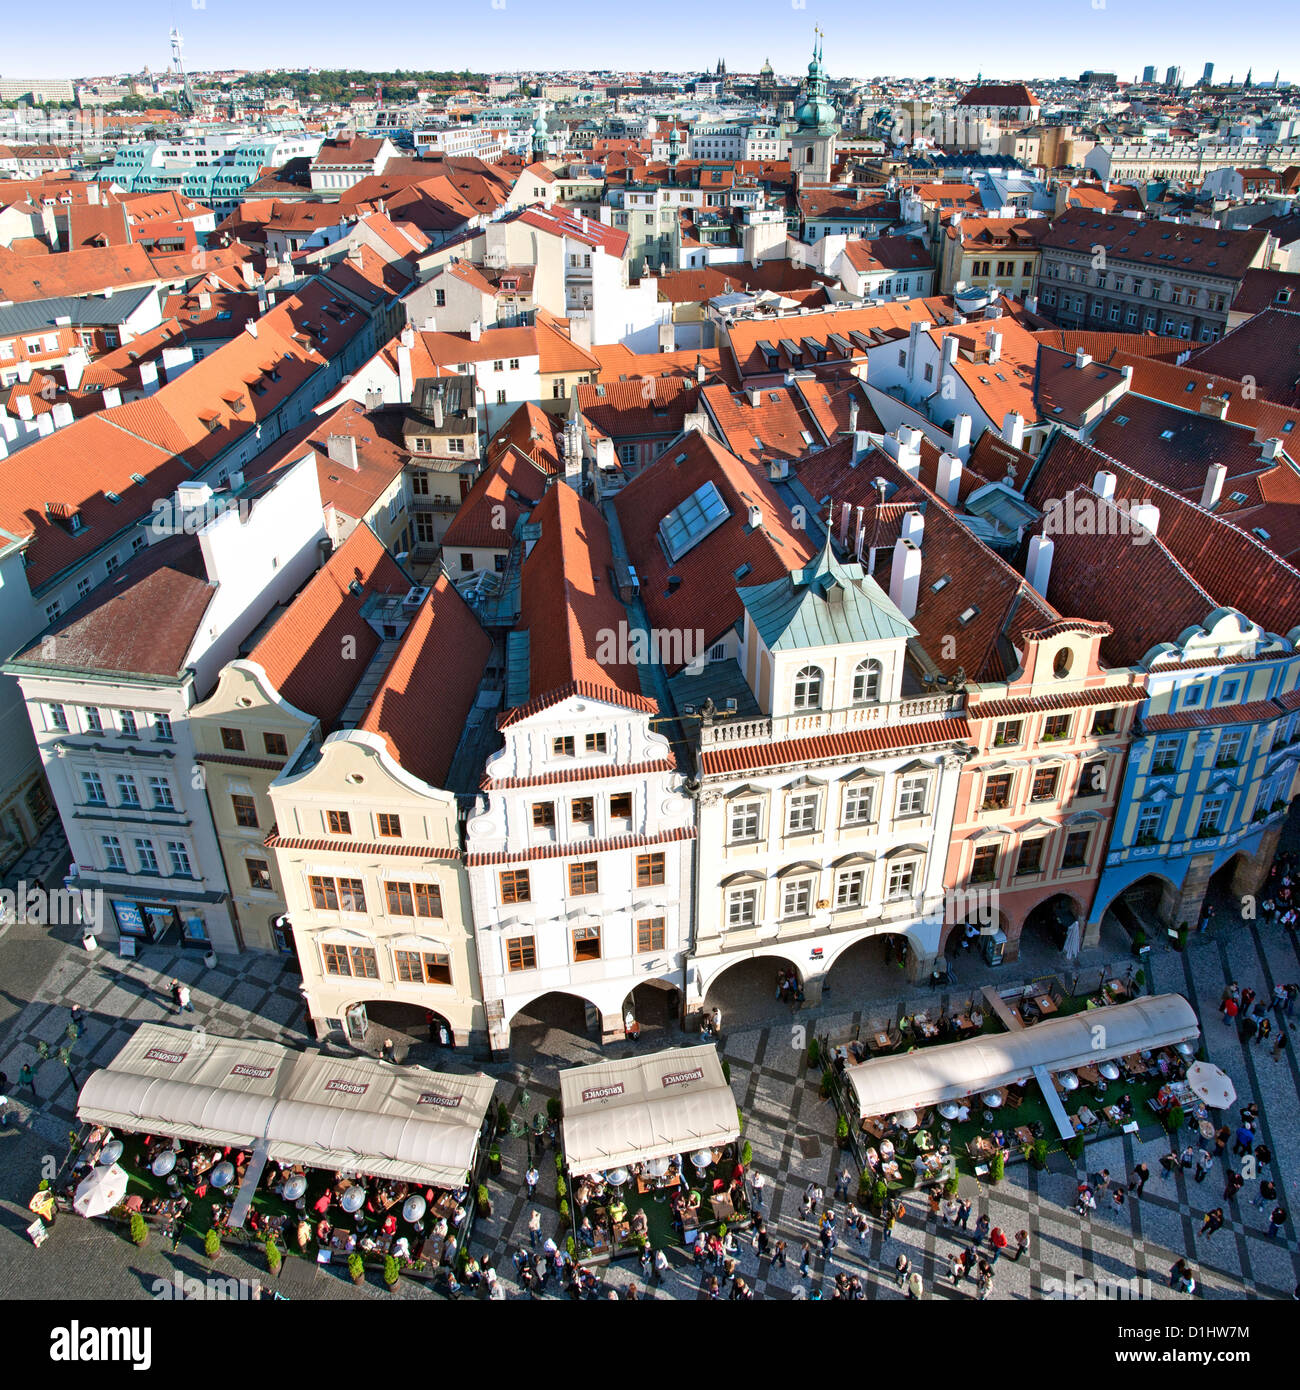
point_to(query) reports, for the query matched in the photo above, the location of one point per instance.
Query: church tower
(812, 146)
(540, 137)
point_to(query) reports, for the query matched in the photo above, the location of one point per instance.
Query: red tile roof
(648, 406)
(859, 743)
(887, 253)
(1256, 712)
(1265, 349)
(1157, 246)
(706, 598)
(421, 707)
(774, 428)
(998, 94)
(300, 654)
(568, 605)
(581, 847)
(87, 270)
(534, 433)
(486, 517)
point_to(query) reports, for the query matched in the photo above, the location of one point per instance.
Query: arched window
(808, 155)
(808, 688)
(866, 682)
(1061, 666)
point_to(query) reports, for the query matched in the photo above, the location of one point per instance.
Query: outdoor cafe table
(1024, 1134)
(1085, 1117)
(880, 1042)
(343, 1242)
(1116, 989)
(891, 1172)
(1115, 1116)
(875, 1126)
(925, 1026)
(446, 1205)
(644, 1184)
(963, 1023)
(980, 1147)
(1089, 1074)
(1045, 1004)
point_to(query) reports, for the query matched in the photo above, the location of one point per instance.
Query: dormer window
(808, 688)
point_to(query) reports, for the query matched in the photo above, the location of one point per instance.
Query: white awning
(616, 1113)
(345, 1115)
(954, 1070)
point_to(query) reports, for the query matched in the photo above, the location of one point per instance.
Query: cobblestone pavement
(790, 1127)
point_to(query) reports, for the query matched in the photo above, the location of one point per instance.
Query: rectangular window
(338, 822)
(620, 805)
(850, 888)
(984, 867)
(543, 814)
(1057, 726)
(582, 810)
(352, 895)
(1076, 849)
(276, 745)
(245, 811)
(745, 819)
(93, 788)
(742, 907)
(410, 969)
(428, 900)
(562, 747)
(126, 723)
(161, 793)
(586, 944)
(1230, 746)
(521, 953)
(93, 722)
(649, 870)
(650, 935)
(796, 897)
(336, 960)
(232, 740)
(1007, 731)
(390, 826)
(997, 792)
(259, 874)
(911, 797)
(1092, 780)
(1211, 817)
(858, 801)
(146, 855)
(1165, 756)
(514, 886)
(1148, 826)
(179, 857)
(324, 896)
(59, 718)
(584, 878)
(595, 743)
(128, 794)
(902, 879)
(112, 852)
(801, 813)
(364, 964)
(1103, 722)
(1045, 781)
(1031, 858)
(162, 727)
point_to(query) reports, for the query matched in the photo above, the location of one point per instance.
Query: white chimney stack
(62, 413)
(845, 513)
(1146, 515)
(948, 349)
(948, 484)
(961, 427)
(1103, 484)
(405, 380)
(148, 376)
(1013, 428)
(475, 331)
(1081, 358)
(23, 403)
(342, 448)
(905, 577)
(994, 341)
(1038, 570)
(1271, 448)
(112, 395)
(1213, 488)
(913, 527)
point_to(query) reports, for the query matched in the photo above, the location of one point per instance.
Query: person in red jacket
(997, 1242)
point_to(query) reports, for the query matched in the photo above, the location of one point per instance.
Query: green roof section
(821, 605)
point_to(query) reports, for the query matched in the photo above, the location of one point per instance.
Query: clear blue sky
(942, 37)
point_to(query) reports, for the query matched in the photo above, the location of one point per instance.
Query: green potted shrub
(484, 1202)
(1073, 1147)
(273, 1258)
(1174, 1119)
(880, 1194)
(494, 1161)
(866, 1186)
(564, 1209)
(740, 1120)
(571, 1246)
(559, 1162)
(1038, 1153)
(356, 1268)
(826, 1084)
(1139, 979)
(139, 1229)
(212, 1243)
(814, 1054)
(553, 1108)
(391, 1272)
(951, 1186)
(726, 1071)
(722, 1232)
(503, 1117)
(561, 1187)
(997, 1167)
(747, 1153)
(842, 1132)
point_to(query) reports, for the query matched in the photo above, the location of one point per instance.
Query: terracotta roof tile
(859, 743)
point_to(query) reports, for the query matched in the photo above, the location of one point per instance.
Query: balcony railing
(815, 723)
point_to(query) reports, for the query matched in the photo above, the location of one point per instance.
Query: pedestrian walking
(1213, 1221)
(902, 1266)
(981, 1230)
(1022, 1244)
(915, 1285)
(1245, 1139)
(78, 1021)
(1279, 1043)
(1263, 1032)
(963, 1213)
(956, 1267)
(27, 1077)
(1276, 1220)
(1168, 1164)
(1138, 1178)
(998, 1243)
(1232, 1186)
(660, 1266)
(1279, 999)
(805, 1260)
(388, 1051)
(985, 1280)
(1263, 1156)
(891, 1218)
(756, 1185)
(1292, 992)
(778, 1255)
(1229, 1009)
(531, 1179)
(842, 1185)
(1204, 1161)
(1246, 1028)
(534, 1226)
(1267, 1194)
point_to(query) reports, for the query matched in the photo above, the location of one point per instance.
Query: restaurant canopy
(955, 1070)
(617, 1113)
(342, 1114)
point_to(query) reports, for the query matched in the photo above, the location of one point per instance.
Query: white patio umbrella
(223, 1174)
(164, 1163)
(1068, 1080)
(657, 1167)
(295, 1188)
(353, 1199)
(101, 1191)
(616, 1177)
(1071, 948)
(905, 1119)
(415, 1207)
(1212, 1084)
(111, 1152)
